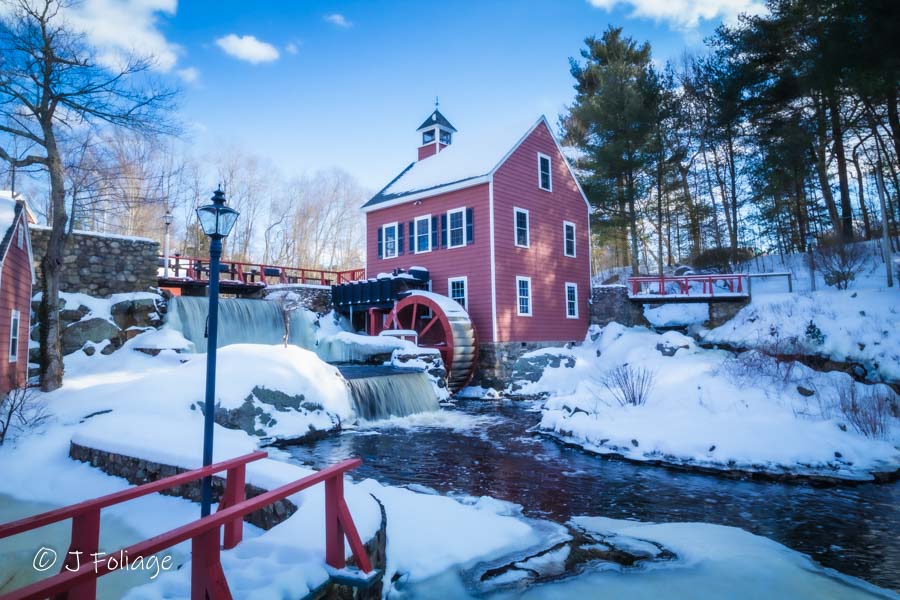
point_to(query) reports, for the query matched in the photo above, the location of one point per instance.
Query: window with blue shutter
(400, 238)
(444, 230)
(392, 240)
(470, 226)
(380, 244)
(434, 233)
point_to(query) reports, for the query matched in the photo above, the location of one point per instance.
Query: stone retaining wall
(610, 303)
(138, 471)
(100, 265)
(496, 361)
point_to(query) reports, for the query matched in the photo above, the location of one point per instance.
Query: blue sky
(345, 84)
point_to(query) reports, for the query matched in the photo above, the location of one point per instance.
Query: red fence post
(84, 545)
(207, 578)
(235, 492)
(334, 532)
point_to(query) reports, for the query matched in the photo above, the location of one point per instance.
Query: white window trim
(516, 212)
(14, 317)
(450, 229)
(465, 281)
(575, 287)
(549, 172)
(530, 297)
(574, 239)
(384, 252)
(416, 234)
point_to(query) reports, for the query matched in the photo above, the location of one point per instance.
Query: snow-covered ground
(710, 408)
(153, 414)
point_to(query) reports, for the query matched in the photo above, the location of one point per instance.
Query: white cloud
(248, 48)
(685, 14)
(189, 74)
(338, 20)
(121, 27)
(291, 48)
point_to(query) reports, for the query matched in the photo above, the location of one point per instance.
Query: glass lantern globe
(216, 219)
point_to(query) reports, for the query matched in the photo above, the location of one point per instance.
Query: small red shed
(16, 280)
(502, 226)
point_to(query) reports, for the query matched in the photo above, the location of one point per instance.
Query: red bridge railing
(190, 268)
(207, 578)
(735, 284)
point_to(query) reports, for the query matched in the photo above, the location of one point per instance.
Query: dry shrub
(20, 412)
(869, 409)
(630, 386)
(747, 367)
(839, 261)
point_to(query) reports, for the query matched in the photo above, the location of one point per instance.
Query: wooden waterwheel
(442, 324)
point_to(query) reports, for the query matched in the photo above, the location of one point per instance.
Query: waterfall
(391, 393)
(240, 321)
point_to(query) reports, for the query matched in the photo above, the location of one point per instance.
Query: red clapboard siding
(472, 261)
(516, 185)
(15, 294)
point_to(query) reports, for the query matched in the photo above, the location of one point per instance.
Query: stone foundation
(497, 360)
(610, 303)
(98, 264)
(721, 312)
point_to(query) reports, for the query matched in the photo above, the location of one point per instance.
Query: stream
(851, 529)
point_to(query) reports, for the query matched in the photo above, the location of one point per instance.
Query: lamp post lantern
(216, 220)
(167, 219)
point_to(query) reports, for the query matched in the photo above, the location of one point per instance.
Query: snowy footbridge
(190, 276)
(77, 580)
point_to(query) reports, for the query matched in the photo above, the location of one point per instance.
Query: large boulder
(141, 312)
(88, 330)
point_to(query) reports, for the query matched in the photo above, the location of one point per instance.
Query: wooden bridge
(77, 580)
(716, 287)
(190, 276)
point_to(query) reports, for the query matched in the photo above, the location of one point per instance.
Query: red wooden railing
(246, 273)
(656, 286)
(207, 578)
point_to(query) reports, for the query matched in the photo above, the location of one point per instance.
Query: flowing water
(240, 321)
(851, 529)
(383, 392)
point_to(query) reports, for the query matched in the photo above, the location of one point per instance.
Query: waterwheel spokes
(412, 321)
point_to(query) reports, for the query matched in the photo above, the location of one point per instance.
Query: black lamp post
(216, 219)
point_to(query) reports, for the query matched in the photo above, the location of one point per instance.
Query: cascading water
(240, 321)
(379, 393)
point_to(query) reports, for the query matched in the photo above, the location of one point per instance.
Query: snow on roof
(7, 211)
(466, 158)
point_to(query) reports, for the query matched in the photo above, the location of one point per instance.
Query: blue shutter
(380, 244)
(444, 230)
(413, 238)
(434, 233)
(470, 226)
(399, 239)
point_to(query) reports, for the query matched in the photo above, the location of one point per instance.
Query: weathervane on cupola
(437, 133)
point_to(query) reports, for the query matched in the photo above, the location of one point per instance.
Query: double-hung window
(523, 234)
(523, 293)
(571, 300)
(456, 228)
(20, 236)
(458, 288)
(14, 321)
(545, 177)
(390, 240)
(423, 234)
(568, 238)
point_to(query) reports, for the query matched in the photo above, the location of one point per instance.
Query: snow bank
(857, 326)
(703, 412)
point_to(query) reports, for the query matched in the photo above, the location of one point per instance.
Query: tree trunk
(821, 162)
(732, 171)
(893, 118)
(837, 134)
(51, 362)
(867, 226)
(693, 216)
(632, 223)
